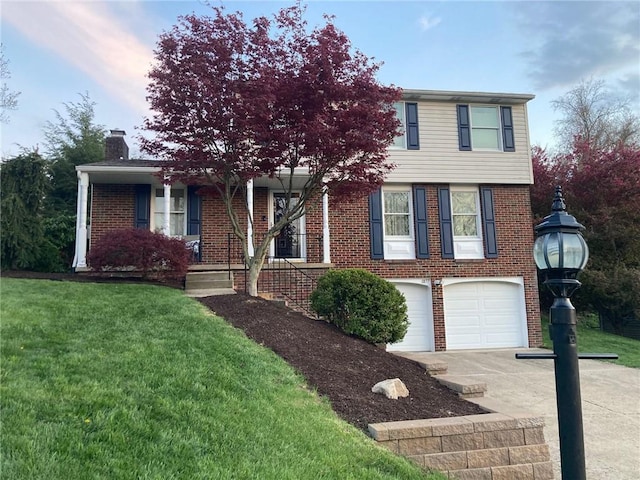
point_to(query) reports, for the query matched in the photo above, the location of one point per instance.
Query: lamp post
(561, 253)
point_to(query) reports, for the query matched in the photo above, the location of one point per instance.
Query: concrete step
(466, 387)
(207, 280)
(209, 292)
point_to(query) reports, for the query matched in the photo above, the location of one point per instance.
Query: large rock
(392, 388)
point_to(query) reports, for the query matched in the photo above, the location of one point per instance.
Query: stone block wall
(492, 446)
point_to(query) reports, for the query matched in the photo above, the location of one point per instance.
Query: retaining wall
(493, 446)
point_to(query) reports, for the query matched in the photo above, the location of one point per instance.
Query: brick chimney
(115, 146)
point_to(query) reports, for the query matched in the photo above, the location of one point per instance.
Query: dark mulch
(340, 367)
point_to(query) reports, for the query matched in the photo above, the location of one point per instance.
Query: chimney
(115, 146)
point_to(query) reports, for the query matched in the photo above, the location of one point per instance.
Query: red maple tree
(602, 189)
(233, 102)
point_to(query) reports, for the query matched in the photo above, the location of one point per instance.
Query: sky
(60, 49)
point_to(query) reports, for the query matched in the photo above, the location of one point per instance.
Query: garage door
(419, 337)
(484, 314)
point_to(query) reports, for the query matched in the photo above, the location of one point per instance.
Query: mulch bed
(340, 367)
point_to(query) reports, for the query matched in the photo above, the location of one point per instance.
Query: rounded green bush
(361, 304)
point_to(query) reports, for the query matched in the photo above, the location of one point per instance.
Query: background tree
(602, 189)
(234, 102)
(8, 98)
(73, 139)
(24, 183)
(594, 115)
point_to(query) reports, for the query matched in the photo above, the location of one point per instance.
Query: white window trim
(154, 210)
(399, 247)
(403, 111)
(467, 247)
(500, 147)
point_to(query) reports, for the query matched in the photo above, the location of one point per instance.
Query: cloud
(89, 37)
(427, 23)
(570, 41)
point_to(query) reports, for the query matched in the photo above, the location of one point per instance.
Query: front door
(290, 243)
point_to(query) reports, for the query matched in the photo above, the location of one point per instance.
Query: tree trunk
(252, 281)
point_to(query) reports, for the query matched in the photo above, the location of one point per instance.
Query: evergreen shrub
(361, 304)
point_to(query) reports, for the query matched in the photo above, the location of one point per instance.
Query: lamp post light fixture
(560, 254)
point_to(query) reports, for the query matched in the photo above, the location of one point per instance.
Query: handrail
(295, 285)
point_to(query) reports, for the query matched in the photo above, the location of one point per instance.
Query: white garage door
(484, 314)
(419, 337)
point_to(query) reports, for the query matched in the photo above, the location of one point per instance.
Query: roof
(470, 97)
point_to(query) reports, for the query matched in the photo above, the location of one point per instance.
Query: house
(451, 227)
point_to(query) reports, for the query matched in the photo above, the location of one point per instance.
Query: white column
(166, 219)
(326, 241)
(250, 218)
(80, 258)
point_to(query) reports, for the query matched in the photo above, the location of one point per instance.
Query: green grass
(592, 340)
(114, 381)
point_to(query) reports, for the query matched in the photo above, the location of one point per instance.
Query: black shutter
(508, 140)
(489, 223)
(420, 219)
(142, 206)
(464, 128)
(376, 232)
(446, 224)
(194, 211)
(411, 115)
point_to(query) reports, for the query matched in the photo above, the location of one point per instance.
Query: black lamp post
(561, 253)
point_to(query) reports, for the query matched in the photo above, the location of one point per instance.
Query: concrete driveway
(610, 403)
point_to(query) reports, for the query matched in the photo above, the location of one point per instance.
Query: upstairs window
(407, 114)
(485, 127)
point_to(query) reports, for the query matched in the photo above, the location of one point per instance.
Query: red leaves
(241, 101)
(153, 254)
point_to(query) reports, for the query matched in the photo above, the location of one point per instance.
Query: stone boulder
(391, 388)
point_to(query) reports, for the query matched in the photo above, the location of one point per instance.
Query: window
(485, 127)
(176, 211)
(466, 214)
(398, 223)
(397, 215)
(407, 114)
(464, 211)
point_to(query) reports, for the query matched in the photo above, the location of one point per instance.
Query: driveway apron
(610, 403)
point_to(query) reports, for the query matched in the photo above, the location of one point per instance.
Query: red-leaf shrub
(153, 254)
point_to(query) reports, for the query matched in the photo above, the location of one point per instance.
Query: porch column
(326, 241)
(166, 218)
(250, 218)
(80, 257)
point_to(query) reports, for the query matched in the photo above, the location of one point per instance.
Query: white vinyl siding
(440, 160)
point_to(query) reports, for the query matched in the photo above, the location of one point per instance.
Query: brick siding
(113, 206)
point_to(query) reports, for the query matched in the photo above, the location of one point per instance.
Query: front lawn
(112, 381)
(592, 340)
